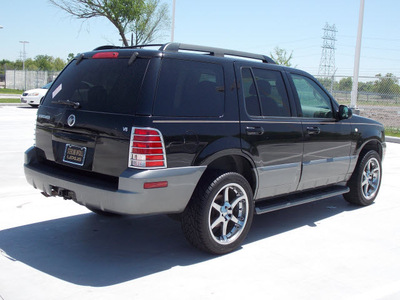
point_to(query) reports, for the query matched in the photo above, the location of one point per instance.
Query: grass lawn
(11, 91)
(392, 132)
(10, 100)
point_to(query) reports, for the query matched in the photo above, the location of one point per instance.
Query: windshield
(103, 85)
(47, 86)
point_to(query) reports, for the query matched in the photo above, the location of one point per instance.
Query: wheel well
(233, 163)
(371, 145)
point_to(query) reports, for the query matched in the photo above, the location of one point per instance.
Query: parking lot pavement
(56, 249)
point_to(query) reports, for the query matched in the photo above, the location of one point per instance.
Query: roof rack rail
(105, 47)
(147, 45)
(175, 47)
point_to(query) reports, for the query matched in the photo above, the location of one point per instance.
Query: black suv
(208, 135)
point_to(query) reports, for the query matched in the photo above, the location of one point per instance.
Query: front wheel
(220, 213)
(366, 180)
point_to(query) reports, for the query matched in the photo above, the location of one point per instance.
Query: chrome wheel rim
(371, 177)
(228, 214)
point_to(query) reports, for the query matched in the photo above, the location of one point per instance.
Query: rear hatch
(86, 118)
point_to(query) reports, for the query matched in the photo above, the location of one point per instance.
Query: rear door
(269, 133)
(327, 141)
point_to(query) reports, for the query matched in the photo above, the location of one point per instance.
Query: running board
(273, 204)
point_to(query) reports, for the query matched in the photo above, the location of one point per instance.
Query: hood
(38, 91)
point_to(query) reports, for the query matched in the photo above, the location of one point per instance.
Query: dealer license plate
(74, 155)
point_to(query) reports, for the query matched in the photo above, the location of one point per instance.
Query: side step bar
(273, 204)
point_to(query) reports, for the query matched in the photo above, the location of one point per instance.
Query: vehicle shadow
(28, 107)
(310, 214)
(92, 250)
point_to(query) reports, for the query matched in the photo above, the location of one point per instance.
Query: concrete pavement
(56, 249)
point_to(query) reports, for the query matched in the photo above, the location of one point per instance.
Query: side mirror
(344, 112)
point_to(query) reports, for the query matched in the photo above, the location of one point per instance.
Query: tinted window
(104, 85)
(190, 89)
(315, 103)
(249, 93)
(264, 93)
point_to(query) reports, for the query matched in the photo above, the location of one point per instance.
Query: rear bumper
(129, 198)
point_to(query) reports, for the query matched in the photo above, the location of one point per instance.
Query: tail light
(147, 149)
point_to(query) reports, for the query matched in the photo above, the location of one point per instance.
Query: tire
(366, 180)
(220, 213)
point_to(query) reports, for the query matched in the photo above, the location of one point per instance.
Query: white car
(33, 97)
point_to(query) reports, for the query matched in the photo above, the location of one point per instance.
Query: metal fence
(25, 80)
(378, 97)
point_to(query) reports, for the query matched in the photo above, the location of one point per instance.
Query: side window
(250, 96)
(190, 89)
(315, 103)
(264, 93)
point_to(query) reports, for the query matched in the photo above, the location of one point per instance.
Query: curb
(392, 139)
(13, 104)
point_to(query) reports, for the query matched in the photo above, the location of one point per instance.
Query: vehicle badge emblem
(71, 120)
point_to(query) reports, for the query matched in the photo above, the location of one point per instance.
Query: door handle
(313, 130)
(254, 130)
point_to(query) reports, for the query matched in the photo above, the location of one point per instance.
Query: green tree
(6, 64)
(44, 62)
(31, 65)
(386, 85)
(70, 57)
(152, 19)
(18, 64)
(139, 16)
(39, 63)
(281, 57)
(366, 86)
(326, 82)
(58, 64)
(345, 84)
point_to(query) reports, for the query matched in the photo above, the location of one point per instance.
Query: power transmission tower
(327, 65)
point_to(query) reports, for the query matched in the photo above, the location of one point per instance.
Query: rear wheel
(219, 214)
(366, 180)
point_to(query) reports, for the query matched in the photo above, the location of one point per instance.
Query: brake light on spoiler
(146, 149)
(106, 55)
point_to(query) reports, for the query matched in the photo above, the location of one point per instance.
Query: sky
(253, 25)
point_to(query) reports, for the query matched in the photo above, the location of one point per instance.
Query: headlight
(33, 94)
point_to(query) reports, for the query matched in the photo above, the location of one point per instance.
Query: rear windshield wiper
(67, 102)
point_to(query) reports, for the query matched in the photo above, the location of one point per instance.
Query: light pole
(173, 21)
(23, 60)
(354, 91)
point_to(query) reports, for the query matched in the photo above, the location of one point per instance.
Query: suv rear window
(103, 85)
(190, 89)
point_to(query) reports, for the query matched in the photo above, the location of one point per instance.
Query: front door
(327, 142)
